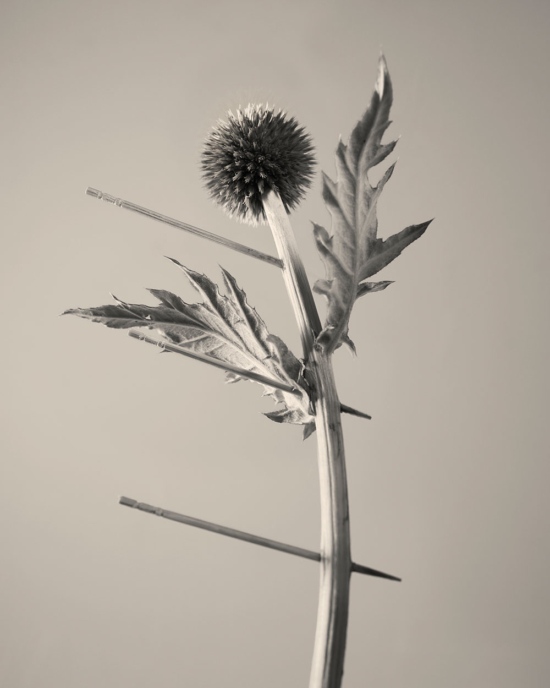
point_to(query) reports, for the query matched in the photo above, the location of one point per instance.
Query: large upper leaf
(226, 328)
(353, 252)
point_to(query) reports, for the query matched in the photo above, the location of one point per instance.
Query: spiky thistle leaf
(222, 327)
(353, 252)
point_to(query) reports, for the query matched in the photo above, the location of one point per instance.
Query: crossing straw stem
(234, 245)
(241, 535)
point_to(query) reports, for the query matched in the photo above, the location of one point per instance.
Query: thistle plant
(257, 165)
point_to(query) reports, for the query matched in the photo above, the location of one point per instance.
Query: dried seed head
(256, 151)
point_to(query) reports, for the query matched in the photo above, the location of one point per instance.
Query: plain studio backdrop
(448, 482)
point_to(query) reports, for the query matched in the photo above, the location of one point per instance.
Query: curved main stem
(332, 615)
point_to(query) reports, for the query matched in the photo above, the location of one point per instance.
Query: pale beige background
(449, 482)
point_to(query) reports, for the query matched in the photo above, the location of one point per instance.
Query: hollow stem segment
(332, 616)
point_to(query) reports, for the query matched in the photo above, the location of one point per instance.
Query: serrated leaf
(223, 327)
(353, 252)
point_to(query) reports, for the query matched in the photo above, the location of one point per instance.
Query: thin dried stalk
(242, 535)
(185, 226)
(210, 360)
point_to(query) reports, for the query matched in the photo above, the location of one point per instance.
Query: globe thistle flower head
(256, 151)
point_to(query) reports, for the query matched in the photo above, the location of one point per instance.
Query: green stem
(332, 616)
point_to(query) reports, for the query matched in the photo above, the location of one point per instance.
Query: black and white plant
(257, 165)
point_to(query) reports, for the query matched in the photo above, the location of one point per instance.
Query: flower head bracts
(253, 152)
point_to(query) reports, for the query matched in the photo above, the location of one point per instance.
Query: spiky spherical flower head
(256, 151)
